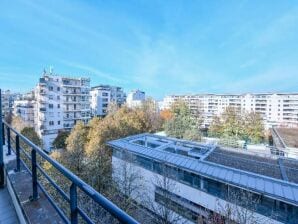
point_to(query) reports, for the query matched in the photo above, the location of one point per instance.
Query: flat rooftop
(289, 136)
(266, 174)
(172, 145)
(263, 165)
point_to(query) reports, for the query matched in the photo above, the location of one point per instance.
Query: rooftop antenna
(51, 70)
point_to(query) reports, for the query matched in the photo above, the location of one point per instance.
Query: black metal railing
(10, 135)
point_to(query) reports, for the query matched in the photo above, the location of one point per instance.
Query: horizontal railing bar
(110, 207)
(26, 167)
(85, 216)
(25, 153)
(59, 210)
(53, 183)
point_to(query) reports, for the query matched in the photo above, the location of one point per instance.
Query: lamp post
(2, 182)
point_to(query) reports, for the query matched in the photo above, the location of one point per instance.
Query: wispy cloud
(160, 48)
(279, 29)
(94, 71)
(270, 80)
(248, 63)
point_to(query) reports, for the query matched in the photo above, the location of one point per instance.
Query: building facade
(102, 96)
(60, 103)
(135, 98)
(279, 109)
(206, 182)
(25, 110)
(7, 102)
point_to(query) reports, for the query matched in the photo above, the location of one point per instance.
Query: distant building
(276, 109)
(7, 102)
(60, 103)
(135, 98)
(102, 96)
(25, 110)
(205, 179)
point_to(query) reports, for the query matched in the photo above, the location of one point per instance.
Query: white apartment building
(135, 98)
(196, 181)
(102, 96)
(25, 110)
(60, 103)
(279, 109)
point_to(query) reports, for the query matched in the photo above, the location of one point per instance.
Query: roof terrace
(272, 176)
(181, 147)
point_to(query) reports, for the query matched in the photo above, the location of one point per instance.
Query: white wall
(199, 197)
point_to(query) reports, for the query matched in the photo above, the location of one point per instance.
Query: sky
(162, 47)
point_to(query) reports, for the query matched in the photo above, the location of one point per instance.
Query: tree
(254, 127)
(75, 148)
(166, 114)
(130, 182)
(161, 204)
(31, 134)
(233, 124)
(181, 122)
(151, 115)
(216, 127)
(241, 207)
(113, 107)
(60, 140)
(18, 123)
(8, 117)
(123, 123)
(192, 134)
(88, 156)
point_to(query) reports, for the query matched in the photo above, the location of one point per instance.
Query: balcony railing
(10, 135)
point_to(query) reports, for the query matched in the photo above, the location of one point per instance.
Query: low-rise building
(210, 181)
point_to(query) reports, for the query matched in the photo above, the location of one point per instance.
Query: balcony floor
(7, 211)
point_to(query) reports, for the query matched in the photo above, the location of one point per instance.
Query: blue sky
(162, 47)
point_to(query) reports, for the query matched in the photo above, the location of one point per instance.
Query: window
(105, 94)
(51, 88)
(58, 122)
(51, 123)
(196, 181)
(185, 177)
(157, 167)
(51, 106)
(58, 88)
(58, 106)
(144, 162)
(58, 97)
(51, 97)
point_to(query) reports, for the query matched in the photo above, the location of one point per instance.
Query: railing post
(34, 175)
(73, 204)
(3, 133)
(8, 141)
(2, 173)
(18, 152)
